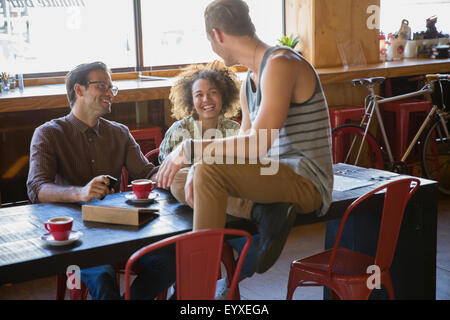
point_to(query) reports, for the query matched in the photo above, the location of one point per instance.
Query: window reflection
(53, 35)
(416, 12)
(40, 36)
(179, 37)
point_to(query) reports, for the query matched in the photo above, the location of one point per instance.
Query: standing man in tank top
(281, 158)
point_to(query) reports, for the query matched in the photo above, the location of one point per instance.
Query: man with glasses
(70, 158)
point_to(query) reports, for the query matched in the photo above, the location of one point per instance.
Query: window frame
(139, 49)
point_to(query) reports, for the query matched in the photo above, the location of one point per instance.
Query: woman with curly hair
(204, 98)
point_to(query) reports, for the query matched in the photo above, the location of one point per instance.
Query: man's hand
(96, 188)
(170, 166)
(189, 187)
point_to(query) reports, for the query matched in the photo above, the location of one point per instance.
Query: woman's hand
(170, 166)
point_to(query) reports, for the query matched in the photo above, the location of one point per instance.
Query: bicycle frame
(373, 105)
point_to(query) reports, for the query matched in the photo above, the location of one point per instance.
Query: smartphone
(112, 181)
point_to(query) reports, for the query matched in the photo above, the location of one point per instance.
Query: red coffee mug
(143, 187)
(59, 227)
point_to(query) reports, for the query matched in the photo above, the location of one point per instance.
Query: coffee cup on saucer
(143, 187)
(59, 227)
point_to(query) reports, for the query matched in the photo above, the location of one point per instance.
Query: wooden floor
(303, 241)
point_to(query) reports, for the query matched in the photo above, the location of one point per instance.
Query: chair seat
(347, 263)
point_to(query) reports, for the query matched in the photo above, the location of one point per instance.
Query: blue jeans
(157, 273)
(249, 265)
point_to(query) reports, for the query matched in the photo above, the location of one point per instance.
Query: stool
(341, 114)
(399, 126)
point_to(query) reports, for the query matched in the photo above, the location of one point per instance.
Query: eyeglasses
(104, 87)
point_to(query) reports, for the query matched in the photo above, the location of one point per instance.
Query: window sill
(50, 96)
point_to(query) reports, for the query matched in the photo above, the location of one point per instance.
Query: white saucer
(132, 197)
(74, 236)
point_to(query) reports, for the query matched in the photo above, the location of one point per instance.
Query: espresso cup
(59, 227)
(142, 188)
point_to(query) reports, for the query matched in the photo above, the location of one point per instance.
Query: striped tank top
(304, 142)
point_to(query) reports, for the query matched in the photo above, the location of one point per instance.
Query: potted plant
(290, 41)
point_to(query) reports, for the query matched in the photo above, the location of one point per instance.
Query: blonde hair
(216, 72)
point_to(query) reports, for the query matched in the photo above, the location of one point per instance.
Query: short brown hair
(230, 16)
(79, 75)
(216, 72)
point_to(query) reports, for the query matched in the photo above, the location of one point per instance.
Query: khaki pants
(235, 206)
(215, 183)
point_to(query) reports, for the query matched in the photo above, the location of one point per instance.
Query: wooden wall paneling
(326, 26)
(141, 110)
(344, 94)
(332, 28)
(368, 38)
(168, 120)
(156, 113)
(299, 17)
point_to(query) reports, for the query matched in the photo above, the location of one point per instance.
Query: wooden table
(23, 256)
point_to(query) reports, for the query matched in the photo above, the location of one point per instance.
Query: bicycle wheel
(436, 155)
(347, 140)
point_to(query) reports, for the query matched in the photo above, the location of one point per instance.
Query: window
(416, 12)
(49, 36)
(56, 35)
(179, 37)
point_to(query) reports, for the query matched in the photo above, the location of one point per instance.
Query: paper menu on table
(376, 174)
(342, 183)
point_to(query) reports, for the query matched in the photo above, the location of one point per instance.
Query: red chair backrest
(396, 197)
(147, 138)
(151, 156)
(198, 256)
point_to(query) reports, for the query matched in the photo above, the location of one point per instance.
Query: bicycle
(350, 142)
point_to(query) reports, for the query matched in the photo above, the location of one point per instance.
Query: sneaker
(249, 265)
(274, 223)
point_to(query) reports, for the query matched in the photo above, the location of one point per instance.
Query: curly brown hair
(216, 72)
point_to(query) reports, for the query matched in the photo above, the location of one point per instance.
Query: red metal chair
(198, 257)
(149, 140)
(345, 271)
(227, 252)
